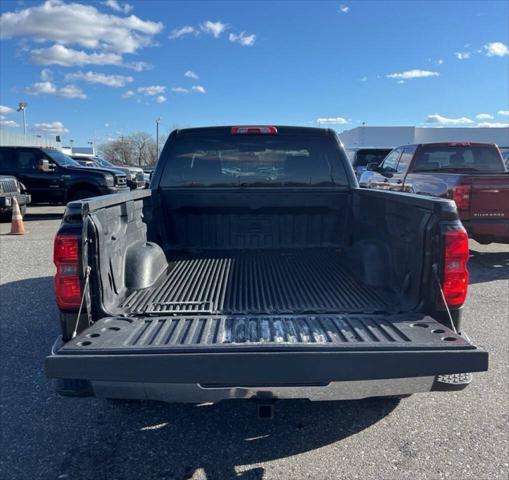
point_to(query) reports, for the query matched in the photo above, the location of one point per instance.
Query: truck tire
(5, 217)
(84, 193)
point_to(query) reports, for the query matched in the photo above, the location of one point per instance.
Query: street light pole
(158, 121)
(21, 108)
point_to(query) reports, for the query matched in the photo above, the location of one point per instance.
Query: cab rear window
(253, 161)
(458, 158)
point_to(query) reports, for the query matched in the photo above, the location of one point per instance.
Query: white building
(16, 139)
(395, 136)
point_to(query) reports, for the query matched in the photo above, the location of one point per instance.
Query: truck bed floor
(310, 281)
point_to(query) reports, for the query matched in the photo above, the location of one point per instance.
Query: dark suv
(51, 176)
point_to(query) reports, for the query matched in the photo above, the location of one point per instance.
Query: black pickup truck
(51, 176)
(256, 268)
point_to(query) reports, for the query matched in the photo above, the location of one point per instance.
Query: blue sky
(112, 67)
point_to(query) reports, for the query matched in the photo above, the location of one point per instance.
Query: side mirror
(46, 166)
(372, 167)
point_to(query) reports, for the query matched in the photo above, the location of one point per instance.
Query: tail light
(253, 130)
(67, 279)
(461, 196)
(455, 283)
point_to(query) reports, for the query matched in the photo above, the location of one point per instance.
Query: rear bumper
(196, 393)
(488, 230)
(6, 200)
(136, 184)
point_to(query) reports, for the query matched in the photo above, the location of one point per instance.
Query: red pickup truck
(471, 174)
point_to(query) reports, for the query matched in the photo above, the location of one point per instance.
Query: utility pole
(158, 121)
(22, 106)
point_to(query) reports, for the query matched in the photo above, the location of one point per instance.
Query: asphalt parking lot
(461, 435)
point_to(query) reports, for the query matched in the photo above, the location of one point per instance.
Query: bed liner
(272, 282)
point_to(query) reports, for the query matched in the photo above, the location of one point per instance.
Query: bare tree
(136, 149)
(117, 151)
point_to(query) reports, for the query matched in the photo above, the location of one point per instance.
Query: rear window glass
(364, 157)
(253, 161)
(458, 158)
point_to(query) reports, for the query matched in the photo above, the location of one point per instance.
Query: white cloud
(503, 112)
(152, 90)
(76, 23)
(105, 37)
(213, 28)
(364, 79)
(411, 74)
(8, 123)
(333, 120)
(440, 61)
(462, 55)
(42, 88)
(67, 57)
(344, 8)
(496, 49)
(182, 31)
(71, 91)
(191, 74)
(160, 99)
(54, 128)
(128, 94)
(242, 38)
(484, 116)
(49, 88)
(100, 78)
(46, 75)
(179, 90)
(493, 125)
(137, 66)
(198, 88)
(448, 121)
(114, 5)
(5, 110)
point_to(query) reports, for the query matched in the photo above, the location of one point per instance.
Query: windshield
(227, 161)
(364, 157)
(103, 163)
(60, 159)
(458, 158)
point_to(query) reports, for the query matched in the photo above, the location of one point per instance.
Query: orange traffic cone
(17, 227)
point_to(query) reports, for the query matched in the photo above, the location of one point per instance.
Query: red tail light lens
(253, 130)
(67, 280)
(65, 249)
(455, 284)
(461, 196)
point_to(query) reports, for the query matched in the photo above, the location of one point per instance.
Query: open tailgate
(264, 350)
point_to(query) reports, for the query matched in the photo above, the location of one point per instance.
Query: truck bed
(260, 282)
